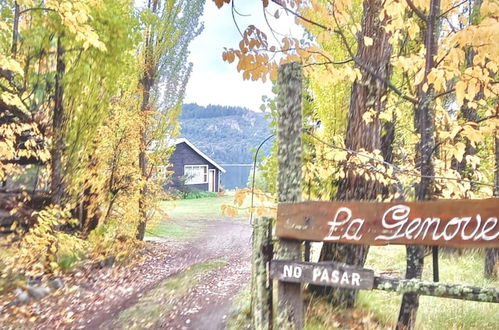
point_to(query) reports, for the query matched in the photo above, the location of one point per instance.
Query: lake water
(236, 176)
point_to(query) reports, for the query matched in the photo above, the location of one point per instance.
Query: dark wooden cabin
(194, 169)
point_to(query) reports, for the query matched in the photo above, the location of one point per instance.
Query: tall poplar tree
(168, 28)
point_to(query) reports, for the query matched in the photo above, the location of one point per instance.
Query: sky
(214, 81)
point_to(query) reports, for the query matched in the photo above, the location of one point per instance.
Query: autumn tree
(169, 26)
(64, 64)
(61, 48)
(399, 88)
(368, 94)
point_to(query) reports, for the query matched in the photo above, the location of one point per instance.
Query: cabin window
(196, 174)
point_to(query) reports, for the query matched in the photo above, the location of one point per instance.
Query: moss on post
(443, 290)
(261, 285)
(289, 157)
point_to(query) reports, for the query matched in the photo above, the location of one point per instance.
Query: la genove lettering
(397, 223)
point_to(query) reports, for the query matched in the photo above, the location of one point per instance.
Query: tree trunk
(59, 123)
(492, 263)
(366, 96)
(470, 114)
(15, 30)
(146, 84)
(492, 255)
(425, 126)
(141, 228)
(91, 212)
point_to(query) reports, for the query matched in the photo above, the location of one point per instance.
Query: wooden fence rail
(435, 289)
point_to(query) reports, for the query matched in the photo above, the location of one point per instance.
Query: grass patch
(185, 217)
(159, 301)
(240, 313)
(321, 315)
(200, 194)
(172, 230)
(194, 209)
(434, 313)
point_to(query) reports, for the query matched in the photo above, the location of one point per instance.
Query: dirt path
(100, 298)
(205, 305)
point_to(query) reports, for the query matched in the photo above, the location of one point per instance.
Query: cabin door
(211, 180)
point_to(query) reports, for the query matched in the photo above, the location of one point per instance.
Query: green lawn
(433, 313)
(195, 209)
(185, 217)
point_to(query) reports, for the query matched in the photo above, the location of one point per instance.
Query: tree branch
(35, 8)
(444, 93)
(233, 9)
(330, 62)
(455, 291)
(452, 8)
(416, 11)
(283, 6)
(20, 114)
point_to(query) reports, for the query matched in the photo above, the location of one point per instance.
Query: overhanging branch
(416, 11)
(20, 114)
(303, 18)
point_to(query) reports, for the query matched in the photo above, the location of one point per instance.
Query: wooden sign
(453, 223)
(323, 273)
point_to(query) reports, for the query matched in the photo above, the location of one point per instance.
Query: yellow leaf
(459, 151)
(425, 87)
(368, 41)
(367, 117)
(9, 64)
(340, 155)
(419, 77)
(413, 30)
(460, 91)
(386, 116)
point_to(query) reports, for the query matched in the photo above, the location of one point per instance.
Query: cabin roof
(199, 152)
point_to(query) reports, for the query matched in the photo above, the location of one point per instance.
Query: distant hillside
(226, 134)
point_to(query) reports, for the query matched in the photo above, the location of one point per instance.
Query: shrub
(195, 194)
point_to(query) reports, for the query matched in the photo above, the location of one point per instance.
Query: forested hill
(226, 134)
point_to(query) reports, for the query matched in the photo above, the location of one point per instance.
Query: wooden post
(289, 157)
(261, 285)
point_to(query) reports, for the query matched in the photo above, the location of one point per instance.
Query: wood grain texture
(451, 223)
